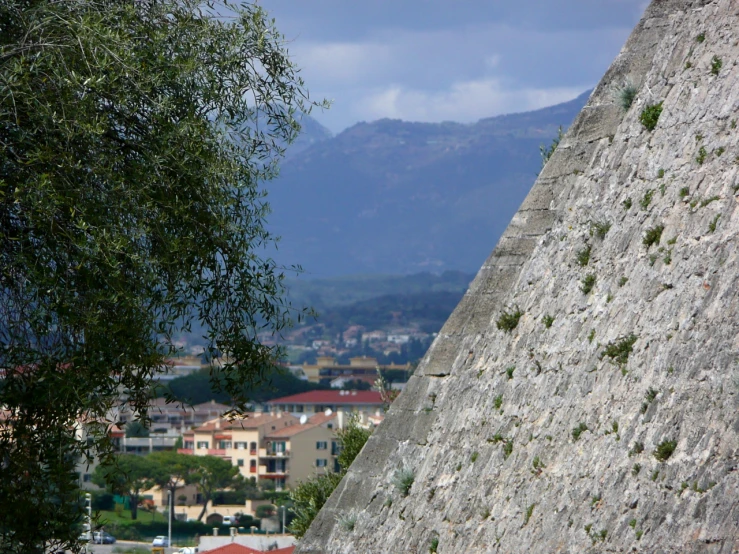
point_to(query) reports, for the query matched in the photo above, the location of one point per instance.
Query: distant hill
(426, 311)
(335, 292)
(399, 197)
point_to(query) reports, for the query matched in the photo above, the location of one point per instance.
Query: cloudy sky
(458, 60)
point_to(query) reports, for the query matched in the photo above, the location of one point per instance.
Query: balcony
(269, 453)
(217, 452)
(185, 451)
(273, 473)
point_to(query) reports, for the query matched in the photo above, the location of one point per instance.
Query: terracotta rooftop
(241, 549)
(335, 397)
(251, 420)
(298, 428)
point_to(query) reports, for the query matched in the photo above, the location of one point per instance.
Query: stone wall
(606, 419)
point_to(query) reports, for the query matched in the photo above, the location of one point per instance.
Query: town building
(174, 418)
(319, 401)
(327, 368)
(279, 447)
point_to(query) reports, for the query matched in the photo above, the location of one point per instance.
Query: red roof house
(318, 401)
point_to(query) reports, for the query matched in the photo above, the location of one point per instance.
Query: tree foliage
(129, 475)
(309, 496)
(308, 499)
(134, 137)
(173, 470)
(352, 439)
(211, 474)
(277, 382)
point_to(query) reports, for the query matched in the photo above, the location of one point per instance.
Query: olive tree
(135, 137)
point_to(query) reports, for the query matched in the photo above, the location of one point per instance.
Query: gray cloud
(437, 60)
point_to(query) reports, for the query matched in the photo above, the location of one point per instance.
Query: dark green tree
(128, 475)
(172, 470)
(134, 140)
(210, 474)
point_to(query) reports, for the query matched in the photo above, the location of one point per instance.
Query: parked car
(160, 540)
(230, 520)
(188, 550)
(101, 537)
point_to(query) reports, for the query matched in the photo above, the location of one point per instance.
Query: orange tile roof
(297, 428)
(249, 421)
(318, 419)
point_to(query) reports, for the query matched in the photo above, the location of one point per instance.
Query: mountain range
(396, 197)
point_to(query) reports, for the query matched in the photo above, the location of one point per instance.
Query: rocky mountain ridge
(399, 197)
(583, 396)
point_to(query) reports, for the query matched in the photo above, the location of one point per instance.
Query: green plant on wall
(620, 350)
(577, 431)
(625, 95)
(403, 480)
(650, 115)
(599, 228)
(664, 450)
(583, 256)
(587, 283)
(646, 199)
(716, 64)
(508, 320)
(653, 235)
(547, 151)
(702, 155)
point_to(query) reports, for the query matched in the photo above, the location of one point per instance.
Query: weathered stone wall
(497, 463)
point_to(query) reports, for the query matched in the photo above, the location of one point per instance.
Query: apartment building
(300, 451)
(277, 447)
(174, 418)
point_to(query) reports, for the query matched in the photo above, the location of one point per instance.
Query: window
(299, 408)
(87, 477)
(189, 444)
(240, 445)
(321, 463)
(202, 444)
(240, 463)
(321, 445)
(252, 466)
(253, 448)
(224, 444)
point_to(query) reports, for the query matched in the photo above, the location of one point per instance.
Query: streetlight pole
(169, 531)
(284, 512)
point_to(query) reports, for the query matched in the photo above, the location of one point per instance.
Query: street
(121, 547)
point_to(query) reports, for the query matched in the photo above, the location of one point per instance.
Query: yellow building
(362, 368)
(298, 452)
(279, 447)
